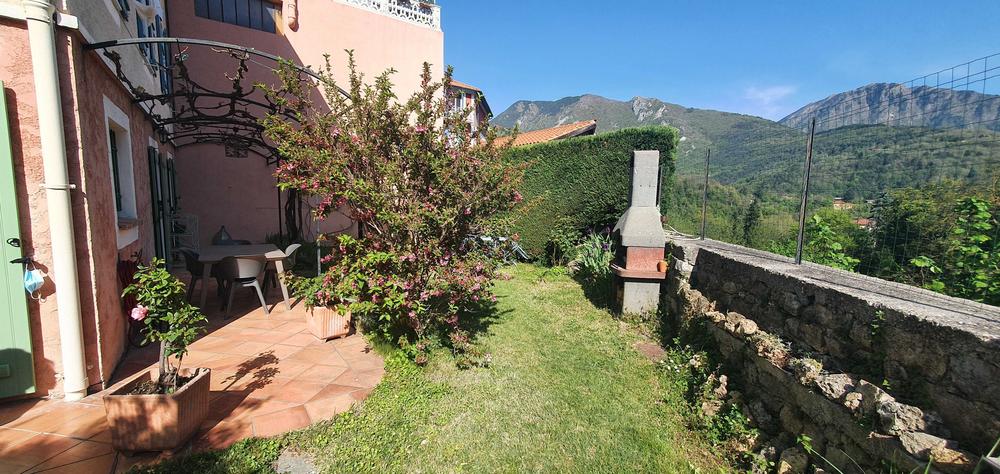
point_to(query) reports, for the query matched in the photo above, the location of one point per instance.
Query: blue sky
(764, 58)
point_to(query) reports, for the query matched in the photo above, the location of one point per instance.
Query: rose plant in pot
(160, 411)
(327, 301)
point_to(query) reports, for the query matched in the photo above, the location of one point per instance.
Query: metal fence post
(806, 174)
(704, 196)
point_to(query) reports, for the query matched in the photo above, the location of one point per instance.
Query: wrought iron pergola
(201, 113)
(190, 110)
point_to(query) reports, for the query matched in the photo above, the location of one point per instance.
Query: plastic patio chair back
(240, 268)
(191, 263)
(290, 253)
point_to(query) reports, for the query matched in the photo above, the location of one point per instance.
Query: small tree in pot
(147, 414)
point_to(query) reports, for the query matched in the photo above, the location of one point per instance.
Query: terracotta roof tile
(463, 85)
(586, 127)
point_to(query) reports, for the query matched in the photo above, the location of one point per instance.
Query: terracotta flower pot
(326, 322)
(661, 266)
(157, 422)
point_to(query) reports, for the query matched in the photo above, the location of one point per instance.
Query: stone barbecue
(639, 239)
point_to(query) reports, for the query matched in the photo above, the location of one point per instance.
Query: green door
(17, 371)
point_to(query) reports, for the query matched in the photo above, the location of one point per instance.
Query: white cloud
(768, 102)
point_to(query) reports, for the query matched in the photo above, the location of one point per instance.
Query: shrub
(167, 318)
(412, 175)
(585, 179)
(594, 256)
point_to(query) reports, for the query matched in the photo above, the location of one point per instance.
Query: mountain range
(934, 133)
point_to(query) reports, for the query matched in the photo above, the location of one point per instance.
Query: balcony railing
(425, 13)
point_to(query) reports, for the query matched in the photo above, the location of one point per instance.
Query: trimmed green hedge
(584, 179)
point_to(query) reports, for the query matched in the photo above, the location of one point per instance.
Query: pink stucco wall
(84, 81)
(241, 193)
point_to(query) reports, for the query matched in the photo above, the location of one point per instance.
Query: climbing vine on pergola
(187, 111)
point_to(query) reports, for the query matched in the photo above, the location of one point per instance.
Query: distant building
(559, 132)
(864, 223)
(841, 204)
(464, 96)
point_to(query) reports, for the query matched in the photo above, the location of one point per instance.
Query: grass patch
(565, 392)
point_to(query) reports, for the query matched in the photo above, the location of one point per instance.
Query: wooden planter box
(157, 422)
(326, 323)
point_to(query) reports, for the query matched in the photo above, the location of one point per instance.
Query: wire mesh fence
(904, 183)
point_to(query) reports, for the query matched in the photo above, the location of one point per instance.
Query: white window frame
(117, 120)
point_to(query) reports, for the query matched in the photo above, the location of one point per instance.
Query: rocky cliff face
(900, 105)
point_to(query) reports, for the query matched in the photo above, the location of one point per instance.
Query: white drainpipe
(41, 36)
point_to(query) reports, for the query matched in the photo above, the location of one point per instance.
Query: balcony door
(17, 371)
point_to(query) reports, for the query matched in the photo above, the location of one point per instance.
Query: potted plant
(160, 413)
(328, 308)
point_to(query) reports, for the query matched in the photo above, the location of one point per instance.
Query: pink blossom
(517, 197)
(139, 312)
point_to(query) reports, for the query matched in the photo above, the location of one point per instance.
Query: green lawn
(566, 391)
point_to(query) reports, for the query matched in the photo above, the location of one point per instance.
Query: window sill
(126, 223)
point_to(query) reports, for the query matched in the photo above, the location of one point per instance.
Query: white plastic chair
(242, 271)
(271, 274)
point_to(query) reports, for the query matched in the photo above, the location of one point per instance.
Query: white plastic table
(214, 254)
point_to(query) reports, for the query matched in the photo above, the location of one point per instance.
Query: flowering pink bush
(417, 181)
(139, 312)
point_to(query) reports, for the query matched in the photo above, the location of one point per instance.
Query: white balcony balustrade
(422, 13)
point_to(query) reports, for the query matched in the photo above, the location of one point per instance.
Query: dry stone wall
(870, 378)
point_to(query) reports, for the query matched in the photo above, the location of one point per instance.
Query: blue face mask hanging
(33, 281)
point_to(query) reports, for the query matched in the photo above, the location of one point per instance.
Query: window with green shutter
(115, 171)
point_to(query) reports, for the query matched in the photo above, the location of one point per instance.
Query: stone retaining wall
(815, 347)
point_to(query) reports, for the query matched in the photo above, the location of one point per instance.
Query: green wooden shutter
(115, 173)
(17, 370)
(155, 200)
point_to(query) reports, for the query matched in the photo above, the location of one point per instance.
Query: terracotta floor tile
(225, 363)
(102, 437)
(272, 337)
(265, 323)
(301, 339)
(361, 394)
(221, 380)
(37, 449)
(85, 450)
(222, 435)
(282, 351)
(51, 420)
(291, 368)
(359, 379)
(281, 421)
(299, 391)
(293, 327)
(320, 355)
(253, 407)
(322, 373)
(248, 348)
(23, 409)
(211, 343)
(327, 408)
(223, 406)
(11, 437)
(91, 421)
(283, 378)
(95, 464)
(270, 388)
(333, 390)
(366, 364)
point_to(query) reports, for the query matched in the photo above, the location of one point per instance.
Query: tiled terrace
(269, 376)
